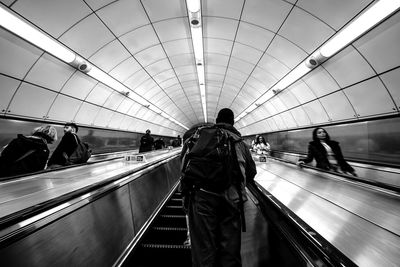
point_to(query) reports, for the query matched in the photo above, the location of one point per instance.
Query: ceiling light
(16, 25)
(194, 11)
(359, 26)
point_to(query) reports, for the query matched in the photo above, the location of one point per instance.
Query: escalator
(163, 243)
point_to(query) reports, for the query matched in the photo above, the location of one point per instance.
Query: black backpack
(209, 159)
(81, 154)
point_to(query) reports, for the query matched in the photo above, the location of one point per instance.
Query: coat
(317, 151)
(35, 149)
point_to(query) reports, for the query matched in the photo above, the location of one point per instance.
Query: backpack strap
(25, 155)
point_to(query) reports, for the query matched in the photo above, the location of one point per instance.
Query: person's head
(260, 139)
(225, 115)
(48, 132)
(148, 131)
(320, 134)
(70, 127)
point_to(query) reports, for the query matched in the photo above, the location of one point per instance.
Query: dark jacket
(64, 149)
(317, 151)
(246, 166)
(146, 143)
(34, 161)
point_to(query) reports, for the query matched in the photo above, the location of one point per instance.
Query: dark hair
(225, 115)
(263, 140)
(72, 125)
(315, 137)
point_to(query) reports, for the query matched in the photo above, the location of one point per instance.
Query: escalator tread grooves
(172, 216)
(165, 246)
(170, 228)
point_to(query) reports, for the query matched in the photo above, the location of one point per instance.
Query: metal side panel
(146, 194)
(93, 235)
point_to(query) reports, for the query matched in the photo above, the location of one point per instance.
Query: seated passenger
(159, 144)
(26, 154)
(327, 153)
(65, 148)
(260, 146)
(146, 142)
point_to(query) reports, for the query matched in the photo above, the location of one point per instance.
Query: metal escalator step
(160, 228)
(165, 246)
(172, 216)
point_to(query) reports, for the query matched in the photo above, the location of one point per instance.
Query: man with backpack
(216, 165)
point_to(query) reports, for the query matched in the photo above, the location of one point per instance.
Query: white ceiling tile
(125, 105)
(273, 66)
(17, 56)
(118, 16)
(116, 120)
(301, 92)
(320, 82)
(49, 72)
(254, 36)
(287, 53)
(99, 94)
(103, 118)
(217, 46)
(7, 90)
(377, 102)
(219, 8)
(288, 119)
(182, 60)
(150, 55)
(316, 112)
(219, 28)
(79, 85)
(109, 56)
(125, 69)
(178, 47)
(160, 10)
(334, 13)
(64, 108)
(87, 36)
(136, 79)
(86, 114)
(348, 61)
(172, 29)
(300, 116)
(338, 106)
(96, 4)
(264, 77)
(380, 46)
(391, 81)
(279, 122)
(246, 53)
(139, 39)
(289, 99)
(158, 67)
(53, 17)
(267, 14)
(114, 100)
(23, 105)
(305, 30)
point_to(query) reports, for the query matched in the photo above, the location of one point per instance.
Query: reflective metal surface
(364, 224)
(372, 141)
(95, 233)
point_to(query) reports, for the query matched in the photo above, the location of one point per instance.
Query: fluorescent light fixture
(19, 27)
(193, 5)
(26, 31)
(194, 10)
(292, 76)
(359, 26)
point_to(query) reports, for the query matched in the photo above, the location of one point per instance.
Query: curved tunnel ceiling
(249, 46)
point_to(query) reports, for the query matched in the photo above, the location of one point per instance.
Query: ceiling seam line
(155, 32)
